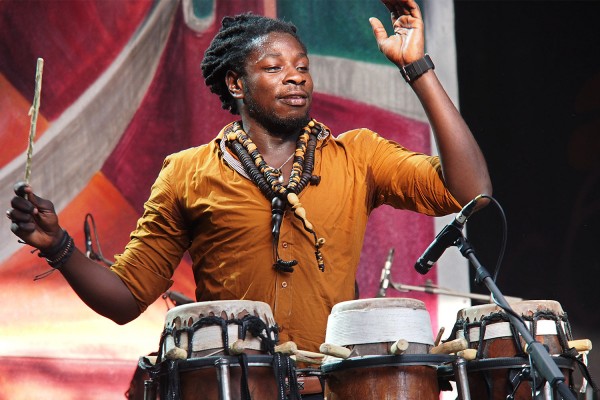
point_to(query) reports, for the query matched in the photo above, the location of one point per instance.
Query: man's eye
(272, 69)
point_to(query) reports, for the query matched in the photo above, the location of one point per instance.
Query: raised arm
(36, 223)
(463, 165)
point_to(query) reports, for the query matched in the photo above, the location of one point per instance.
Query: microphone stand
(98, 257)
(538, 354)
(428, 287)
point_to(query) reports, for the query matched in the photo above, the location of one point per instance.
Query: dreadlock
(232, 45)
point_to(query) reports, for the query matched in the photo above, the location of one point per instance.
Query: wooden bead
(176, 353)
(293, 199)
(237, 347)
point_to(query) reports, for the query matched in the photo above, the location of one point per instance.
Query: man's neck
(272, 146)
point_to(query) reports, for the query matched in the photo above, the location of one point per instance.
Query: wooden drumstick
(309, 354)
(301, 358)
(468, 354)
(33, 113)
(450, 347)
(335, 350)
(399, 347)
(300, 355)
(438, 338)
(286, 348)
(581, 344)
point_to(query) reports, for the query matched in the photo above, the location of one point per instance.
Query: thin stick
(33, 112)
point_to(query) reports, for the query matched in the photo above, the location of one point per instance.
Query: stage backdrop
(122, 88)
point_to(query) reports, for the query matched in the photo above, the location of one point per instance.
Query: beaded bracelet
(58, 255)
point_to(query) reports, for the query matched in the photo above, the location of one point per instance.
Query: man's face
(277, 84)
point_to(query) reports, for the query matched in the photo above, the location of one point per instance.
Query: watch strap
(415, 69)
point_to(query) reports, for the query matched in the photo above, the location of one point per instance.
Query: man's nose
(295, 77)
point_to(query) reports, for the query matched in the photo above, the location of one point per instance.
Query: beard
(275, 124)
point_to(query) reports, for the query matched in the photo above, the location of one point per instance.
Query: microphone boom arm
(428, 288)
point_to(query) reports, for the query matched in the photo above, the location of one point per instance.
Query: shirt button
(283, 284)
(284, 245)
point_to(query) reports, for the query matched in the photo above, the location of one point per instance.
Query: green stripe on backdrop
(338, 28)
(202, 8)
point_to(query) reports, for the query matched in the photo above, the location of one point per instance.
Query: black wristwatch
(414, 70)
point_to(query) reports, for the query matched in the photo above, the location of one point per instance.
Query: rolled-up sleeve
(400, 177)
(157, 244)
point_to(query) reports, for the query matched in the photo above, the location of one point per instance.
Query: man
(275, 208)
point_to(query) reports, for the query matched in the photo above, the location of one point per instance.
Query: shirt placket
(284, 281)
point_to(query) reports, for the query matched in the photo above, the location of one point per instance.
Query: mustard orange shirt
(202, 205)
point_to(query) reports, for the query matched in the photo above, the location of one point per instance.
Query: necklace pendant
(280, 178)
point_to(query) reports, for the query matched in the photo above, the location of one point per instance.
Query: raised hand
(34, 219)
(408, 43)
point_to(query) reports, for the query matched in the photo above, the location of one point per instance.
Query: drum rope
(244, 389)
(563, 333)
(563, 328)
(284, 368)
(173, 388)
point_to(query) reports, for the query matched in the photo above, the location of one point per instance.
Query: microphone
(445, 238)
(178, 298)
(385, 274)
(89, 252)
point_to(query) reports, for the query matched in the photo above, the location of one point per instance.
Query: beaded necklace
(280, 170)
(269, 181)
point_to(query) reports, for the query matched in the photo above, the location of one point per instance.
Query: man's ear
(234, 84)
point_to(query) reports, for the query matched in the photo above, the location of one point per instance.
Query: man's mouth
(296, 99)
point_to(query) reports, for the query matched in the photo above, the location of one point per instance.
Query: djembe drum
(501, 365)
(219, 350)
(369, 329)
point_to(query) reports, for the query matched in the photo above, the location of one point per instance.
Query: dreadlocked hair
(232, 45)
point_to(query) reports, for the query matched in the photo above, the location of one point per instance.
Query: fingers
(21, 216)
(20, 188)
(30, 212)
(28, 201)
(22, 204)
(22, 222)
(397, 8)
(378, 30)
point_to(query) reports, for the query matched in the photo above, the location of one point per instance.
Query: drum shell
(383, 383)
(381, 379)
(198, 379)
